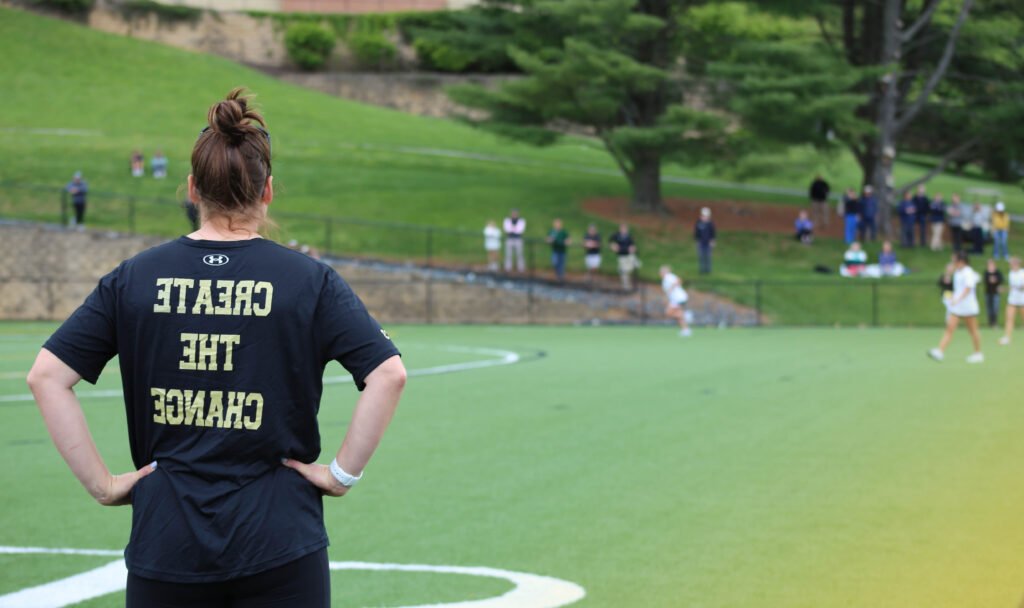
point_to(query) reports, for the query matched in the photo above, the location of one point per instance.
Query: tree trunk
(885, 120)
(645, 181)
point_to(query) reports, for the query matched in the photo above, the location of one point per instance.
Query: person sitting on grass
(804, 228)
(887, 264)
(854, 261)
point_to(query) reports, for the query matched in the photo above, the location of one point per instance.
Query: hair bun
(232, 118)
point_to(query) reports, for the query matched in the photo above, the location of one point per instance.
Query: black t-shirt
(592, 243)
(222, 348)
(624, 241)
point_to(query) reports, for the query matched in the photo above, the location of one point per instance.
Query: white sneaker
(936, 354)
(1004, 341)
(685, 333)
(975, 358)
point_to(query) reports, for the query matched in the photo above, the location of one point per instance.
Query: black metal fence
(426, 274)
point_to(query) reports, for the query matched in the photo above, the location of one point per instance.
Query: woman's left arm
(52, 382)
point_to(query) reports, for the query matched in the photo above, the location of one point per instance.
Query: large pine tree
(608, 68)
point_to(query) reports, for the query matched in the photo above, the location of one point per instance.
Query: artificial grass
(773, 467)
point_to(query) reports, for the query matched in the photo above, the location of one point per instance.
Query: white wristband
(343, 478)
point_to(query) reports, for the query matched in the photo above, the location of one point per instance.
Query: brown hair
(231, 159)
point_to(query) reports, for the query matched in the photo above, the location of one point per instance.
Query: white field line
(501, 357)
(71, 590)
(528, 591)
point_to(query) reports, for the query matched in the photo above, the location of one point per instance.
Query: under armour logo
(215, 259)
(385, 334)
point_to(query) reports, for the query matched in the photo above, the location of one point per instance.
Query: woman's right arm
(52, 381)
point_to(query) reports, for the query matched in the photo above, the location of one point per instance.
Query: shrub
(372, 49)
(168, 13)
(308, 44)
(67, 6)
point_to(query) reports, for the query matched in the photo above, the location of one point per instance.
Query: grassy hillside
(76, 99)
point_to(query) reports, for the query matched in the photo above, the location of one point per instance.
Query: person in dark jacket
(818, 193)
(704, 233)
(993, 279)
(79, 190)
(922, 205)
(907, 212)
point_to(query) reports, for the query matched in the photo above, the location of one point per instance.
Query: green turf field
(773, 468)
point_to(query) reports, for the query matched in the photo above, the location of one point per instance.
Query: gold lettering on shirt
(163, 295)
(245, 298)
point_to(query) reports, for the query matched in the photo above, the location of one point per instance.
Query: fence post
(874, 304)
(643, 302)
(328, 229)
(530, 280)
(430, 247)
(757, 302)
(64, 208)
(430, 298)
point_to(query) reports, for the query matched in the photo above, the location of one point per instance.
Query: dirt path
(727, 215)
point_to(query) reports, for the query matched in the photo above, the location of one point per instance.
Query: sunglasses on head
(261, 130)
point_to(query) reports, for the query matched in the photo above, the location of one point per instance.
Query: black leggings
(305, 583)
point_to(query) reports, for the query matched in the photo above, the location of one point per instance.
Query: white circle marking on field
(528, 591)
(495, 357)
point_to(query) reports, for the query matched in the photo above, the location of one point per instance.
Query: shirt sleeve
(347, 332)
(88, 339)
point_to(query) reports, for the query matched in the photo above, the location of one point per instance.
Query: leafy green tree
(868, 74)
(607, 68)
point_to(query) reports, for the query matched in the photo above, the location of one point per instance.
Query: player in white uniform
(1015, 299)
(676, 299)
(962, 304)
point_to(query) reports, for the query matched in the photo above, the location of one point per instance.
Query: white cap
(705, 212)
(1000, 206)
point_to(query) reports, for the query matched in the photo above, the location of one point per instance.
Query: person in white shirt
(1014, 299)
(676, 299)
(514, 228)
(492, 244)
(962, 304)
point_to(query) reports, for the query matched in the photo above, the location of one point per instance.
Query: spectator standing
(922, 207)
(1000, 232)
(980, 216)
(492, 244)
(907, 210)
(138, 164)
(956, 216)
(625, 248)
(1014, 299)
(558, 238)
(963, 304)
(804, 228)
(704, 233)
(192, 213)
(993, 281)
(937, 217)
(158, 165)
(851, 215)
(868, 214)
(79, 191)
(591, 250)
(818, 194)
(514, 228)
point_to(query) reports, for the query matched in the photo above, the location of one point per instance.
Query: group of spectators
(513, 231)
(923, 219)
(621, 243)
(157, 164)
